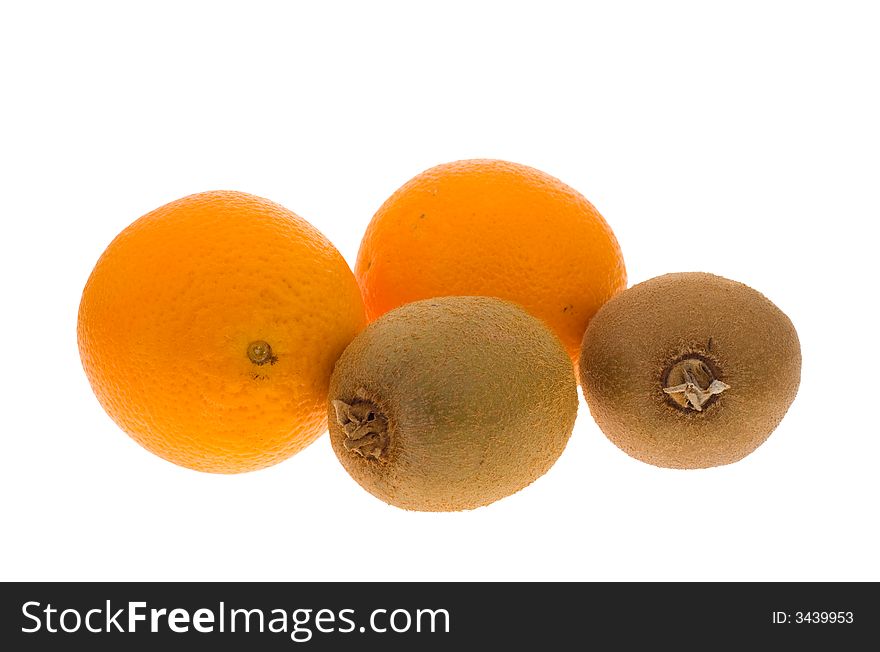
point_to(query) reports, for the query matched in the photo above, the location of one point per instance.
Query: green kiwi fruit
(689, 370)
(451, 403)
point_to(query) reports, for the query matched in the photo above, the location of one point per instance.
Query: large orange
(209, 329)
(486, 227)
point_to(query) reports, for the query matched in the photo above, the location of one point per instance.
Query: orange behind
(171, 308)
(487, 227)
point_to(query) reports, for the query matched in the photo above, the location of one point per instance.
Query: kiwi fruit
(689, 370)
(451, 403)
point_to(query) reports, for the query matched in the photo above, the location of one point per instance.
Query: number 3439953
(813, 617)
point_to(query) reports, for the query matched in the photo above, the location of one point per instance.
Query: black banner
(429, 616)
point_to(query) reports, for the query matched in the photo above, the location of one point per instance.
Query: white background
(737, 138)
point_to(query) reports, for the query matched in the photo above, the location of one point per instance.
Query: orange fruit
(210, 326)
(493, 228)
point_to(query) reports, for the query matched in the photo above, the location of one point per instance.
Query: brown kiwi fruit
(451, 403)
(689, 370)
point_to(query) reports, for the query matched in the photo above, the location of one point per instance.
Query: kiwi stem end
(365, 428)
(691, 384)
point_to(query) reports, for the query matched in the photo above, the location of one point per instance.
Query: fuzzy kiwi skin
(630, 344)
(479, 398)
